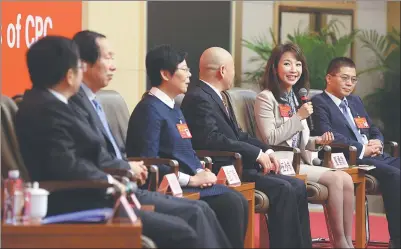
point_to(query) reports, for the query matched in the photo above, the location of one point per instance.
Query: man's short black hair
(162, 57)
(88, 47)
(339, 62)
(49, 60)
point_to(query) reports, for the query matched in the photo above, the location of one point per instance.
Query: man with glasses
(339, 111)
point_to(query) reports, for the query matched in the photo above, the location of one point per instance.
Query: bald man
(214, 127)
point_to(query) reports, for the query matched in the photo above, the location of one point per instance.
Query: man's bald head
(214, 57)
(216, 66)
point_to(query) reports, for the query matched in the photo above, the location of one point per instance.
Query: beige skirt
(313, 173)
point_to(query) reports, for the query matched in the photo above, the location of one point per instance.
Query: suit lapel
(337, 110)
(93, 116)
(216, 99)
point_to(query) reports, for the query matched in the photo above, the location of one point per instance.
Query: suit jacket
(274, 129)
(328, 117)
(153, 132)
(82, 103)
(57, 143)
(213, 129)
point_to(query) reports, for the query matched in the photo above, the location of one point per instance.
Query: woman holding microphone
(281, 119)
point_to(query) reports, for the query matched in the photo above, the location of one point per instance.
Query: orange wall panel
(24, 22)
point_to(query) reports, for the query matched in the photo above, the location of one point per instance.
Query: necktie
(343, 106)
(102, 117)
(225, 105)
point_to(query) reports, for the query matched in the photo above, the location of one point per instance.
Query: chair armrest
(150, 208)
(216, 153)
(208, 162)
(281, 148)
(53, 186)
(157, 161)
(393, 148)
(119, 173)
(327, 154)
(296, 160)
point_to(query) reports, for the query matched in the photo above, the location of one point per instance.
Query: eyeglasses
(185, 69)
(346, 78)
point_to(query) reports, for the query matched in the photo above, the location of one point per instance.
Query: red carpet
(378, 229)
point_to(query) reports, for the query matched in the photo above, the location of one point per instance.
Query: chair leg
(367, 225)
(368, 241)
(263, 231)
(329, 232)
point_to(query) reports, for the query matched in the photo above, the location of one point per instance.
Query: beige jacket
(276, 130)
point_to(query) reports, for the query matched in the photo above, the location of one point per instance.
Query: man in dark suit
(154, 131)
(339, 111)
(99, 73)
(57, 143)
(214, 127)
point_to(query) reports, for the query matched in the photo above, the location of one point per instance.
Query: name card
(135, 201)
(123, 209)
(170, 182)
(286, 167)
(338, 161)
(228, 176)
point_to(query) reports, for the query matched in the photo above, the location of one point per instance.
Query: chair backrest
(178, 100)
(11, 157)
(313, 92)
(242, 101)
(117, 114)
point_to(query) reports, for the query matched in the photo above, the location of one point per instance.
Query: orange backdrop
(23, 23)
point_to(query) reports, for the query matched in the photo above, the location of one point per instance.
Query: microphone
(303, 94)
(317, 162)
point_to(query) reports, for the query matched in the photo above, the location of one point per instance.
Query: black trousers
(231, 209)
(288, 212)
(180, 223)
(387, 172)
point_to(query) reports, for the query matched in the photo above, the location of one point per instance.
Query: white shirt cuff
(183, 179)
(260, 153)
(269, 151)
(110, 180)
(362, 152)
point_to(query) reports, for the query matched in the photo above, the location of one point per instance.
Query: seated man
(339, 111)
(58, 143)
(157, 129)
(214, 127)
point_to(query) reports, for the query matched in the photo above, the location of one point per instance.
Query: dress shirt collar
(162, 96)
(336, 100)
(59, 96)
(214, 89)
(88, 92)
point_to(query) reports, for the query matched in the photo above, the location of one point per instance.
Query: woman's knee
(348, 183)
(332, 180)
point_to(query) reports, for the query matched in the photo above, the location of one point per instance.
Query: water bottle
(27, 203)
(13, 198)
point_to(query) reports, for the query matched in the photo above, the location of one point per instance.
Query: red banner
(24, 22)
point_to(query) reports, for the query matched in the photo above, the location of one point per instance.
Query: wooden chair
(241, 102)
(372, 184)
(11, 159)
